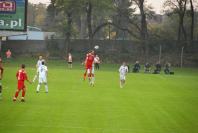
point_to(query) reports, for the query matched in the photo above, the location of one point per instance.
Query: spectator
(147, 68)
(136, 67)
(8, 54)
(97, 62)
(167, 69)
(157, 68)
(69, 60)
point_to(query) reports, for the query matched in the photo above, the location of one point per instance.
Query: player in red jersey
(88, 65)
(1, 76)
(21, 77)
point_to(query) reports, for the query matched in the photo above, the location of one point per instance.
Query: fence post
(182, 54)
(160, 53)
(0, 44)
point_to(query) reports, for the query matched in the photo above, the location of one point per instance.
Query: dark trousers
(97, 66)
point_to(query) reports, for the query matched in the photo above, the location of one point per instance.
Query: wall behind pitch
(109, 51)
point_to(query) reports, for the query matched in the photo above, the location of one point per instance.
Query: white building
(33, 33)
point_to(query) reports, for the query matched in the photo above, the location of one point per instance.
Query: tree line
(122, 19)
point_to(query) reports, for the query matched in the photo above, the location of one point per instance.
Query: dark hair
(23, 66)
(43, 63)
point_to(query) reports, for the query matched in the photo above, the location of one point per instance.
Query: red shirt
(8, 54)
(21, 75)
(1, 68)
(89, 59)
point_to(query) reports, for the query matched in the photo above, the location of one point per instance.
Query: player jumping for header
(89, 65)
(42, 72)
(21, 77)
(123, 71)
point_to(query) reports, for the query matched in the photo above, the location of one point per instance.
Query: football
(96, 47)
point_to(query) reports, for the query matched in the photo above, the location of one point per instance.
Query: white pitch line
(103, 129)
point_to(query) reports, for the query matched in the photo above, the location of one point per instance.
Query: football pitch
(147, 104)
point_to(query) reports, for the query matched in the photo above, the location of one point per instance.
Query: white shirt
(123, 70)
(39, 63)
(97, 60)
(42, 70)
(70, 58)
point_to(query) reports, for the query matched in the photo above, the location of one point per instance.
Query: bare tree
(89, 20)
(192, 20)
(143, 27)
(178, 7)
(68, 8)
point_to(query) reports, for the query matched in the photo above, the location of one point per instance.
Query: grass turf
(147, 104)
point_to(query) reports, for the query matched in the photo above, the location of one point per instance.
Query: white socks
(46, 88)
(93, 80)
(35, 77)
(38, 88)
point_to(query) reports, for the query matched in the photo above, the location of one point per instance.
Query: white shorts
(42, 79)
(90, 71)
(122, 77)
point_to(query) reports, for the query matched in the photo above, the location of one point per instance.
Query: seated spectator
(147, 68)
(157, 68)
(136, 67)
(167, 69)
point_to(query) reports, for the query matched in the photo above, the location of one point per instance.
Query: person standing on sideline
(1, 76)
(123, 72)
(21, 77)
(42, 72)
(8, 54)
(69, 60)
(97, 62)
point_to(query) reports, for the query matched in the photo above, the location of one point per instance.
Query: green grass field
(147, 104)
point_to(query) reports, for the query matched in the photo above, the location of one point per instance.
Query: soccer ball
(96, 47)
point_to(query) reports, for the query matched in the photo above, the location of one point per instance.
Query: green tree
(50, 20)
(93, 5)
(36, 14)
(67, 8)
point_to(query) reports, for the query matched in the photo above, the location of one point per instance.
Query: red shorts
(21, 85)
(88, 66)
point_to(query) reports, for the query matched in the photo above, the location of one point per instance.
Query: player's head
(40, 57)
(124, 63)
(43, 63)
(92, 52)
(23, 66)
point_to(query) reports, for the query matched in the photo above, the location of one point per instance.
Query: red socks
(17, 93)
(23, 93)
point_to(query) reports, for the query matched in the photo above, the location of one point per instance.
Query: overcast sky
(157, 4)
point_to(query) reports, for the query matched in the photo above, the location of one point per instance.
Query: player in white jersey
(42, 72)
(123, 72)
(38, 64)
